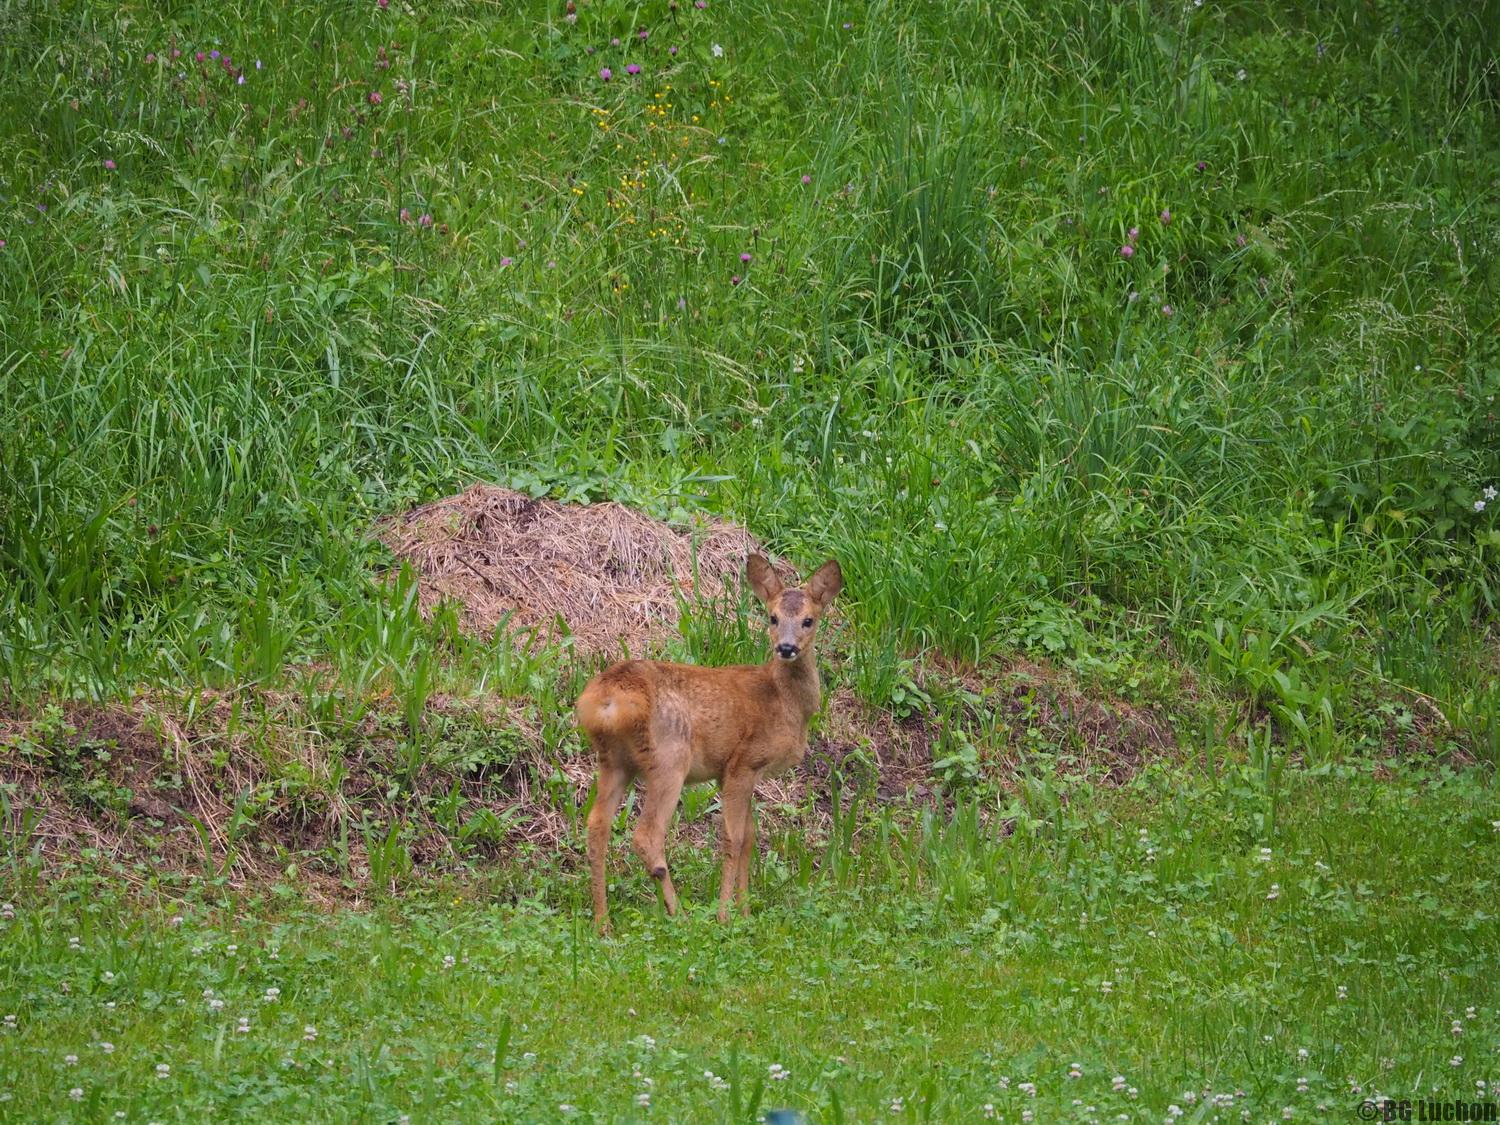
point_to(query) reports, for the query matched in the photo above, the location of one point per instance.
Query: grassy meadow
(1139, 356)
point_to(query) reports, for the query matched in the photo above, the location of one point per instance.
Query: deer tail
(608, 710)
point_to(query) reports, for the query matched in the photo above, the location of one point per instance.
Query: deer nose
(786, 651)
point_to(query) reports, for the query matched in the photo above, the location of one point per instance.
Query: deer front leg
(650, 840)
(747, 853)
(735, 797)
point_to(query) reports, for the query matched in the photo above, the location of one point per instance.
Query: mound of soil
(610, 573)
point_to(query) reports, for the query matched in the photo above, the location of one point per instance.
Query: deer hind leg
(609, 792)
(735, 797)
(650, 840)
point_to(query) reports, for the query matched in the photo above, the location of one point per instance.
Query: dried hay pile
(611, 573)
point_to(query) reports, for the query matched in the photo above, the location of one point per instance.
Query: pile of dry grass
(609, 572)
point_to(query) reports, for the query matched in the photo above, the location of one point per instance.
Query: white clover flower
(1456, 1060)
(643, 1100)
(1174, 1111)
(310, 1033)
(1302, 1053)
(74, 943)
(70, 1060)
(1286, 1113)
(1117, 1084)
(1264, 855)
(988, 1109)
(107, 1048)
(1106, 986)
(163, 1070)
(243, 1026)
(449, 961)
(76, 1093)
(272, 994)
(7, 911)
(231, 950)
(1274, 893)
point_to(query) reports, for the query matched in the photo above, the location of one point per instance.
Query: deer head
(795, 610)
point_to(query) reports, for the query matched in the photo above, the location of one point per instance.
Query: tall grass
(228, 353)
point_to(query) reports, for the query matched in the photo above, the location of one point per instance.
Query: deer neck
(797, 681)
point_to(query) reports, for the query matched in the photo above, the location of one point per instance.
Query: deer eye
(775, 620)
(807, 622)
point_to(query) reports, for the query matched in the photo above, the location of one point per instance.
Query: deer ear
(763, 579)
(825, 583)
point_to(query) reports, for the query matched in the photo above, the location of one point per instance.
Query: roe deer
(676, 723)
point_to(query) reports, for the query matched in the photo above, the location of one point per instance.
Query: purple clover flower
(745, 257)
(1127, 251)
(109, 165)
(605, 73)
(632, 68)
(1166, 217)
(375, 98)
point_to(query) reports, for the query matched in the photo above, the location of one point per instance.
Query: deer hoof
(659, 872)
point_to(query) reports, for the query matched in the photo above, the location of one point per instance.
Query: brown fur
(673, 724)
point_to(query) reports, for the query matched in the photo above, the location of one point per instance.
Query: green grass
(1140, 932)
(1238, 477)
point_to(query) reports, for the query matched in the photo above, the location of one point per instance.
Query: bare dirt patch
(610, 573)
